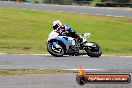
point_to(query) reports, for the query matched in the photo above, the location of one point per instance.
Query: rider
(65, 30)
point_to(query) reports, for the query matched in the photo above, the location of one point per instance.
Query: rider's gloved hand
(80, 39)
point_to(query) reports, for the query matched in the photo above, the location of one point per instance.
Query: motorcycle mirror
(86, 35)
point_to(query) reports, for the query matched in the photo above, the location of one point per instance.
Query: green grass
(26, 30)
(22, 72)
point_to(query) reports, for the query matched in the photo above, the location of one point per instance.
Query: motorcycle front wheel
(57, 52)
(94, 51)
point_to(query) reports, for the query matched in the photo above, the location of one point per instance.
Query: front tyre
(93, 51)
(57, 52)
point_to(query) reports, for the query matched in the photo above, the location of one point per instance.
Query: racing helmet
(56, 24)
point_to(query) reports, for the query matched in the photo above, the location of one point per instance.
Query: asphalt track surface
(10, 61)
(118, 12)
(50, 81)
(104, 64)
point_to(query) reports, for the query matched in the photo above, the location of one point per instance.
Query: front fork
(56, 45)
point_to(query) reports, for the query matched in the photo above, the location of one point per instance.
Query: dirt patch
(26, 48)
(129, 21)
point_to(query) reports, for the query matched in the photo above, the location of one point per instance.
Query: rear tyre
(57, 52)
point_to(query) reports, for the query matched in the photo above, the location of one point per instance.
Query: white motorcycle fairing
(53, 34)
(89, 44)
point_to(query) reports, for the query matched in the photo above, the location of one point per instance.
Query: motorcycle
(63, 45)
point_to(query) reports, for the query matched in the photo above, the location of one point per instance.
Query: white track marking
(50, 55)
(85, 69)
(83, 13)
(86, 13)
